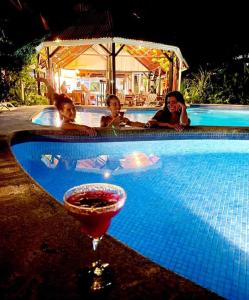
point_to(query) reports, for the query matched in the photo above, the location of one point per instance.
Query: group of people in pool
(173, 115)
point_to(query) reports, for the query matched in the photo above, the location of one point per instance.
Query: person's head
(65, 108)
(171, 100)
(130, 92)
(113, 103)
(152, 89)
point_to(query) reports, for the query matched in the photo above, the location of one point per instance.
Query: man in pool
(67, 114)
(173, 115)
(116, 118)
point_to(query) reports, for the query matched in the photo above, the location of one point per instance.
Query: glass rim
(88, 210)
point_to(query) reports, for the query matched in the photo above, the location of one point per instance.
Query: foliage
(228, 83)
(195, 86)
(5, 85)
(163, 61)
(17, 66)
(34, 99)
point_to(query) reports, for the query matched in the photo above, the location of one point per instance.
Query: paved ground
(41, 247)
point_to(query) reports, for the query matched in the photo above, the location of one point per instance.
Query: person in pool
(67, 113)
(116, 118)
(173, 115)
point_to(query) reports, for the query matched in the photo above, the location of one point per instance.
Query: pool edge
(39, 256)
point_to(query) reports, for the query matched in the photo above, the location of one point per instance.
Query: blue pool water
(187, 209)
(198, 116)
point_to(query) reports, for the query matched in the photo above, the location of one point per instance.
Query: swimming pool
(199, 116)
(187, 205)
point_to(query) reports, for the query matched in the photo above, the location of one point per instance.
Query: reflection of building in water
(107, 164)
(58, 161)
(50, 161)
(104, 164)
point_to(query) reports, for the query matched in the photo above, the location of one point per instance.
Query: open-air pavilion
(92, 60)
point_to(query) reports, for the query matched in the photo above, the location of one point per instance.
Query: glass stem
(95, 242)
(96, 262)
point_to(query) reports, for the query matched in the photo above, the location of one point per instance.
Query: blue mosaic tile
(189, 215)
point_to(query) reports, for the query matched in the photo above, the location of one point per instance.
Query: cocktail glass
(121, 114)
(94, 205)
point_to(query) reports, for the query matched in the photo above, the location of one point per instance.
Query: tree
(226, 83)
(17, 82)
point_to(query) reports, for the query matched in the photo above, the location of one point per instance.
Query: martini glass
(94, 205)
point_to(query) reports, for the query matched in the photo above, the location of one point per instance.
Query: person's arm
(184, 120)
(177, 127)
(154, 122)
(103, 122)
(133, 124)
(88, 130)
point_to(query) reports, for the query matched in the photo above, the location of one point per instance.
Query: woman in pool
(116, 118)
(173, 115)
(67, 114)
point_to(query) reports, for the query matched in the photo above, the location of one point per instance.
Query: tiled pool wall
(200, 132)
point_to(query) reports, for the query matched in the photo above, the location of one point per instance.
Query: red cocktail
(94, 205)
(94, 209)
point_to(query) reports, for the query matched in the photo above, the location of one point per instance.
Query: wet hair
(60, 100)
(179, 98)
(177, 95)
(109, 97)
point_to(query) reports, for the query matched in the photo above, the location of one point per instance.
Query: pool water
(187, 209)
(198, 116)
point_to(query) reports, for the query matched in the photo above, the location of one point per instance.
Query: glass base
(96, 279)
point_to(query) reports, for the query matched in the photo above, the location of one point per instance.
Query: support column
(180, 75)
(159, 82)
(171, 72)
(49, 74)
(113, 81)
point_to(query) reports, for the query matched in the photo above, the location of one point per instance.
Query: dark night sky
(204, 31)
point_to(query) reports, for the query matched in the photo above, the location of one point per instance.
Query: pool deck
(41, 246)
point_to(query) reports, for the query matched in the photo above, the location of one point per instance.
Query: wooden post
(113, 81)
(37, 75)
(171, 72)
(108, 79)
(50, 97)
(159, 83)
(180, 74)
(38, 83)
(23, 93)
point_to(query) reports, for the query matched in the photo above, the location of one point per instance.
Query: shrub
(35, 99)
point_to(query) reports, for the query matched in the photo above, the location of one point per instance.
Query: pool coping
(40, 244)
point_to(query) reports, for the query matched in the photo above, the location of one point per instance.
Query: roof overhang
(117, 40)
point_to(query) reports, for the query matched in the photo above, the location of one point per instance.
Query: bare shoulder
(159, 113)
